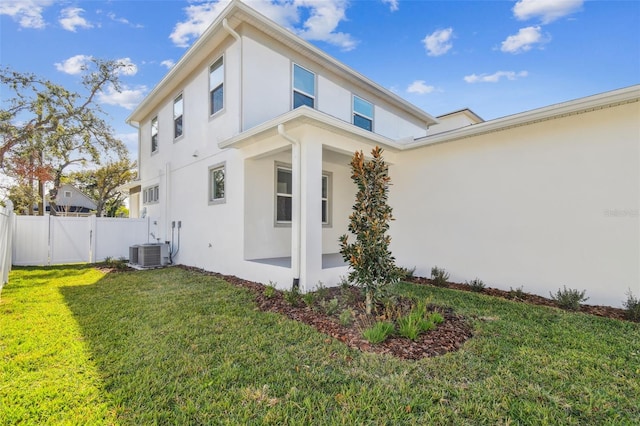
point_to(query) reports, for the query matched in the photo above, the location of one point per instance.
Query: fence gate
(52, 240)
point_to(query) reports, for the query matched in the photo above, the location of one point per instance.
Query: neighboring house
(245, 148)
(70, 201)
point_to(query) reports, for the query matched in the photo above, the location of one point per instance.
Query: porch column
(310, 214)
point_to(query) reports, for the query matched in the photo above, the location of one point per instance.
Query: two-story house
(244, 151)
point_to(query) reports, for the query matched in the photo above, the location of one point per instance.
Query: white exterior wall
(534, 206)
(450, 122)
(335, 100)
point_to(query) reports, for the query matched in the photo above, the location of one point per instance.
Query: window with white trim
(284, 196)
(151, 194)
(178, 110)
(154, 134)
(362, 113)
(304, 87)
(216, 86)
(217, 176)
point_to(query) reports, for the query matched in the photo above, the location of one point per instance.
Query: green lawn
(176, 347)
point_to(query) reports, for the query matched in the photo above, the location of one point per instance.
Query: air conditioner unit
(153, 255)
(133, 255)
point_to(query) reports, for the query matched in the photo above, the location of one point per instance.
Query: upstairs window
(151, 194)
(304, 87)
(216, 184)
(178, 110)
(216, 86)
(362, 113)
(154, 134)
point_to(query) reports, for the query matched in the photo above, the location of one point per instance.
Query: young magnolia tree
(372, 264)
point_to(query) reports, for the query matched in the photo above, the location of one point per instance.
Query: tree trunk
(41, 206)
(368, 296)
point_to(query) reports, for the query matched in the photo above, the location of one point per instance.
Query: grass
(175, 347)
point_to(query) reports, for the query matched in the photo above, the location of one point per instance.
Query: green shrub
(405, 273)
(436, 318)
(632, 305)
(309, 298)
(330, 306)
(517, 294)
(379, 332)
(476, 285)
(321, 291)
(569, 298)
(292, 296)
(346, 317)
(439, 276)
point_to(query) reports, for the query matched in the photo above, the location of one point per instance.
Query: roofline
(236, 7)
(305, 114)
(465, 111)
(577, 106)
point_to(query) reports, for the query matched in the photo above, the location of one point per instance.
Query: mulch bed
(447, 337)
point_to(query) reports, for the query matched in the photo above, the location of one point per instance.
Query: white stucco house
(246, 143)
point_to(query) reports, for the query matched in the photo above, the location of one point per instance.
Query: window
(216, 184)
(67, 194)
(284, 196)
(154, 134)
(304, 87)
(177, 117)
(151, 194)
(362, 113)
(216, 86)
(325, 199)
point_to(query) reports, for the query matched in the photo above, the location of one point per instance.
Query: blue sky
(495, 57)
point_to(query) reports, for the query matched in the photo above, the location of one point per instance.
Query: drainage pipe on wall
(296, 228)
(234, 34)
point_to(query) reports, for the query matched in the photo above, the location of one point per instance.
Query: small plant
(476, 285)
(270, 290)
(405, 273)
(436, 318)
(292, 296)
(309, 298)
(632, 305)
(321, 291)
(517, 294)
(344, 282)
(121, 264)
(569, 298)
(439, 276)
(379, 332)
(346, 317)
(108, 260)
(330, 307)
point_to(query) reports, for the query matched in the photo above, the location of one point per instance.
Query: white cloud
(495, 77)
(524, 40)
(393, 4)
(420, 87)
(323, 18)
(71, 20)
(126, 98)
(74, 65)
(546, 10)
(126, 67)
(125, 21)
(169, 63)
(28, 13)
(439, 42)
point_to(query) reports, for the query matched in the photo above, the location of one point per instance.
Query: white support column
(311, 214)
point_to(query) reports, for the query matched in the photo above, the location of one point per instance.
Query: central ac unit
(149, 255)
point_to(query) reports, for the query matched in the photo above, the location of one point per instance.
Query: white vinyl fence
(6, 233)
(53, 240)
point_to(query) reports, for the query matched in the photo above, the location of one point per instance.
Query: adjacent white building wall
(540, 206)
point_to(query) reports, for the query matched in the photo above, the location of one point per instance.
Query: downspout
(296, 228)
(234, 34)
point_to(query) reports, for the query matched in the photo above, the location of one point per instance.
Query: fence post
(93, 237)
(7, 223)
